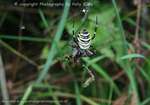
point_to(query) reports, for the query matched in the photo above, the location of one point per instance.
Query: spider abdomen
(84, 40)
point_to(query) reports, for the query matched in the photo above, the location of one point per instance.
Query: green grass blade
(2, 19)
(131, 56)
(120, 26)
(57, 37)
(142, 71)
(25, 38)
(55, 98)
(26, 95)
(146, 101)
(43, 18)
(89, 100)
(83, 98)
(77, 91)
(17, 53)
(146, 45)
(3, 85)
(96, 59)
(110, 94)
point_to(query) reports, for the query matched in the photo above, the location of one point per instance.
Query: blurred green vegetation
(36, 40)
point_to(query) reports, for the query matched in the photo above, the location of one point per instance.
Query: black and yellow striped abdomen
(84, 40)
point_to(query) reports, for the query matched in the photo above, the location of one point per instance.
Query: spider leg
(75, 40)
(73, 44)
(90, 53)
(76, 54)
(93, 50)
(95, 29)
(90, 79)
(73, 29)
(74, 36)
